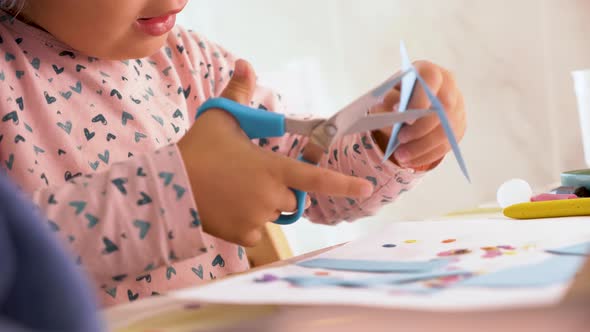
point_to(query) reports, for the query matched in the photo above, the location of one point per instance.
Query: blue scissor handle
(259, 124)
(255, 123)
(301, 197)
(285, 219)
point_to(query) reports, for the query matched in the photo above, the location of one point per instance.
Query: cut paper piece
(530, 238)
(444, 121)
(582, 249)
(407, 89)
(375, 266)
(546, 273)
(410, 78)
(312, 281)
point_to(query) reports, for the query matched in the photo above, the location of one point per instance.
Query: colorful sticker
(454, 252)
(493, 252)
(267, 278)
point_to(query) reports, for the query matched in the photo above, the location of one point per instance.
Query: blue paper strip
(407, 89)
(446, 126)
(318, 281)
(582, 249)
(374, 266)
(408, 86)
(550, 272)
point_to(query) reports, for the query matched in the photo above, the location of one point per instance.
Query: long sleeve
(92, 142)
(139, 213)
(356, 155)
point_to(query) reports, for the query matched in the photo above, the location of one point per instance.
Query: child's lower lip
(157, 26)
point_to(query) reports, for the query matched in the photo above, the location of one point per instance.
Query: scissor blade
(302, 127)
(377, 121)
(359, 108)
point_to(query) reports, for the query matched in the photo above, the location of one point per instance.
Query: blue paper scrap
(375, 266)
(409, 81)
(398, 279)
(546, 273)
(407, 90)
(582, 249)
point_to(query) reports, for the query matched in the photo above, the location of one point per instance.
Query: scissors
(352, 119)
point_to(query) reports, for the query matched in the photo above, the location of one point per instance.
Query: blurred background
(512, 58)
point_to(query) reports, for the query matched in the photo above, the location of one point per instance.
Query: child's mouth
(157, 26)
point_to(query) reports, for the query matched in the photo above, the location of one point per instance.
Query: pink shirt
(94, 144)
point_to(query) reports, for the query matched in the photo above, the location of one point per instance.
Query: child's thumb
(242, 84)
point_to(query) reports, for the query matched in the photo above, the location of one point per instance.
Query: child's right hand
(238, 186)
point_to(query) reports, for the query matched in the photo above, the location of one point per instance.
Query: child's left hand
(423, 144)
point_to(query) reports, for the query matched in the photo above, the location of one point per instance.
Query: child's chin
(140, 49)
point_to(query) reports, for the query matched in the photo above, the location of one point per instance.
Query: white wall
(512, 59)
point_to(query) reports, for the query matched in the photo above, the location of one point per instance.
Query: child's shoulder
(195, 46)
(187, 37)
(180, 32)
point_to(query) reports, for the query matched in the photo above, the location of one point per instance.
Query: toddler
(97, 106)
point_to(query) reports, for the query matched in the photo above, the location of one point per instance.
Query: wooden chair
(272, 248)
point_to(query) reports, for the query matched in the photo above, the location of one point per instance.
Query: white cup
(582, 88)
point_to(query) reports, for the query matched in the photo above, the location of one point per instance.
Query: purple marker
(267, 278)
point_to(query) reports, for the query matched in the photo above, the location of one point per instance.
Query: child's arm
(355, 155)
(142, 212)
(138, 214)
(423, 145)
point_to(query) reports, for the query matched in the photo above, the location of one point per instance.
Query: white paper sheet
(418, 241)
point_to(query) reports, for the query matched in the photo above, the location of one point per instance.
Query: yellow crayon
(549, 209)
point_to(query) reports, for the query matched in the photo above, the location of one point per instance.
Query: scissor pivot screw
(331, 130)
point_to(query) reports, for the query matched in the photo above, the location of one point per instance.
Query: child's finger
(391, 99)
(390, 104)
(433, 77)
(245, 232)
(422, 146)
(249, 238)
(242, 85)
(382, 108)
(419, 129)
(307, 202)
(291, 207)
(462, 121)
(286, 201)
(309, 178)
(429, 158)
(448, 94)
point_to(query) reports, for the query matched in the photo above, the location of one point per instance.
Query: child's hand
(424, 143)
(238, 187)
